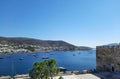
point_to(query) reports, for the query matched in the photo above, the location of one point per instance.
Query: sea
(21, 63)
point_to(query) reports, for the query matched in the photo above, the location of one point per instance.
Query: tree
(37, 71)
(44, 70)
(32, 49)
(52, 68)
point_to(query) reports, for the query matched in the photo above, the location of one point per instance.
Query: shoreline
(29, 52)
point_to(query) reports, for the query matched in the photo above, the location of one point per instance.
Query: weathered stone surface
(108, 58)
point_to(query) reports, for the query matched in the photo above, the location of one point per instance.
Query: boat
(21, 58)
(51, 54)
(35, 55)
(1, 57)
(62, 68)
(45, 57)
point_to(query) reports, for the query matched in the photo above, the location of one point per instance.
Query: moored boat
(35, 55)
(21, 58)
(62, 69)
(1, 57)
(45, 57)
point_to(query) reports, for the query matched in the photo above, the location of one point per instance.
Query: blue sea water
(75, 60)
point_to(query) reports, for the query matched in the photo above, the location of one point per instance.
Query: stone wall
(108, 58)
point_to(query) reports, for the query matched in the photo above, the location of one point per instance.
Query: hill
(20, 44)
(112, 44)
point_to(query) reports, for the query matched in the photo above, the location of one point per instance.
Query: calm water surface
(78, 60)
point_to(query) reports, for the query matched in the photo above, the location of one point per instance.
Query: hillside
(20, 44)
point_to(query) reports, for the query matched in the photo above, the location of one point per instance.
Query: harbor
(13, 64)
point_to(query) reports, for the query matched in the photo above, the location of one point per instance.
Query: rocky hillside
(29, 44)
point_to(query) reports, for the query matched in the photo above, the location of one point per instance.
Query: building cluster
(6, 48)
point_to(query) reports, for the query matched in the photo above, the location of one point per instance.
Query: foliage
(30, 48)
(44, 70)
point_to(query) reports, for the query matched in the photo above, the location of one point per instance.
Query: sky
(79, 22)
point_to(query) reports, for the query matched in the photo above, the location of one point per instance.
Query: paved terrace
(80, 76)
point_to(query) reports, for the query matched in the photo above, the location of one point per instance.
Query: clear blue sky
(80, 22)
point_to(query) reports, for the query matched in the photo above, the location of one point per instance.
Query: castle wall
(108, 58)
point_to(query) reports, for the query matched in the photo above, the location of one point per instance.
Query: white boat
(62, 69)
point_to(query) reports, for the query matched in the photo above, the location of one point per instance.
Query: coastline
(46, 51)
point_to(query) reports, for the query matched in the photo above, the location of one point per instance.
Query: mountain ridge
(112, 44)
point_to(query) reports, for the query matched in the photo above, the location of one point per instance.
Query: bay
(21, 63)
